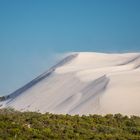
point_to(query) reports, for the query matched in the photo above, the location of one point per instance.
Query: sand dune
(84, 83)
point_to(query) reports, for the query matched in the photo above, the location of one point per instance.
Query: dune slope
(84, 83)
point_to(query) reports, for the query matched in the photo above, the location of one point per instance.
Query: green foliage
(31, 125)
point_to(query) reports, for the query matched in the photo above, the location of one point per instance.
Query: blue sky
(34, 32)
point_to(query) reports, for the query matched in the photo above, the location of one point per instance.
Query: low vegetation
(32, 125)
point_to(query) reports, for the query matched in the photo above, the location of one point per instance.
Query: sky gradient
(33, 33)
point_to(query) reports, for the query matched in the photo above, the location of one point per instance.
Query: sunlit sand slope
(84, 83)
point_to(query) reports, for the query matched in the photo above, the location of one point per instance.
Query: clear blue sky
(33, 31)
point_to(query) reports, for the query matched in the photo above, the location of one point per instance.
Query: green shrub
(33, 125)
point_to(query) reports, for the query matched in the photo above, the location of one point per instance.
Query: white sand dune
(84, 83)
